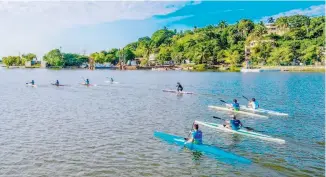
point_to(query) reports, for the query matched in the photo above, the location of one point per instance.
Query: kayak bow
(211, 150)
(242, 131)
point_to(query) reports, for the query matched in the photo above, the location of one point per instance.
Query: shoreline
(193, 68)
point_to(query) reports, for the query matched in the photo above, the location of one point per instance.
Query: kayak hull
(210, 150)
(239, 112)
(241, 131)
(263, 111)
(181, 92)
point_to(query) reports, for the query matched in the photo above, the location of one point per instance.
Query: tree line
(300, 39)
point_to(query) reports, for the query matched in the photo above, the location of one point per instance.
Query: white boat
(238, 112)
(241, 131)
(263, 111)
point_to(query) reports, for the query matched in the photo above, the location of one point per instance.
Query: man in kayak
(179, 87)
(33, 83)
(235, 105)
(253, 104)
(233, 124)
(112, 79)
(57, 83)
(196, 135)
(87, 82)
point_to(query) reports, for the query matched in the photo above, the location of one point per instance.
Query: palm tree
(222, 24)
(270, 20)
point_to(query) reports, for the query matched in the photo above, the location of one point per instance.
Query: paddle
(248, 128)
(186, 139)
(245, 97)
(223, 101)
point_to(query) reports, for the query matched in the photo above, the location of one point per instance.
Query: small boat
(239, 112)
(241, 131)
(207, 149)
(177, 92)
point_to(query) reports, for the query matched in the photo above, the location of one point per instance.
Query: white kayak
(263, 111)
(222, 108)
(112, 82)
(31, 85)
(178, 92)
(241, 131)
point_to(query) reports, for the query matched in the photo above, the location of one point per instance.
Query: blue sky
(93, 26)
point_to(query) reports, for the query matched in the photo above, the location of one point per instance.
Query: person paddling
(179, 87)
(196, 135)
(87, 81)
(33, 83)
(235, 105)
(253, 104)
(112, 80)
(233, 124)
(57, 83)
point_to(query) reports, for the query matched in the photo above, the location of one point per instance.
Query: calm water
(108, 130)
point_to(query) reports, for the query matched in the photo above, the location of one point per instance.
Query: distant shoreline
(194, 68)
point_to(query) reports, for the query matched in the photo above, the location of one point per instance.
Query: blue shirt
(235, 124)
(236, 106)
(197, 136)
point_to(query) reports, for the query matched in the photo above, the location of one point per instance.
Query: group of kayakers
(57, 83)
(233, 123)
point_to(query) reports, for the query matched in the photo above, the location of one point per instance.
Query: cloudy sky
(91, 26)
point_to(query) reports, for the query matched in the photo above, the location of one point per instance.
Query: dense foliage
(18, 60)
(58, 59)
(299, 39)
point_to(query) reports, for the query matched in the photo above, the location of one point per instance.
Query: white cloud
(311, 11)
(28, 26)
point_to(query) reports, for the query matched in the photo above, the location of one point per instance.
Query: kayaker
(57, 83)
(179, 87)
(87, 81)
(196, 135)
(253, 104)
(233, 124)
(235, 105)
(112, 79)
(32, 82)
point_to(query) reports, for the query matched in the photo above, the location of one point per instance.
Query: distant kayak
(112, 82)
(241, 131)
(174, 91)
(88, 85)
(27, 84)
(207, 149)
(239, 112)
(58, 85)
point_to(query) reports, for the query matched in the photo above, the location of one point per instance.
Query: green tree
(54, 58)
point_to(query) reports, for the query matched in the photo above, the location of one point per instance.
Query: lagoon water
(107, 130)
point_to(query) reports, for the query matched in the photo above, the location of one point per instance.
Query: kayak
(241, 131)
(239, 112)
(207, 149)
(31, 85)
(175, 91)
(58, 85)
(89, 85)
(112, 82)
(263, 111)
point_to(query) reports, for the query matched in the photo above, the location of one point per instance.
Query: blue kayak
(209, 150)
